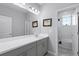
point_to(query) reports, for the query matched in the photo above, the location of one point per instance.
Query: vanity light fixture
(29, 8)
(34, 10)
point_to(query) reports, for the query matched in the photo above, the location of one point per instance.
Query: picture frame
(35, 24)
(47, 22)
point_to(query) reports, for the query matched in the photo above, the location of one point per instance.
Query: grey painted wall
(18, 19)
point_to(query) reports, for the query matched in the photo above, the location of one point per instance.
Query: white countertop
(8, 44)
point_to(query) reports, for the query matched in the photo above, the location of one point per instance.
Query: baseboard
(52, 53)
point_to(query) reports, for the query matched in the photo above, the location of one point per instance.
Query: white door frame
(76, 48)
(75, 37)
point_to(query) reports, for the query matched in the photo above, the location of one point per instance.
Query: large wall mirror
(5, 26)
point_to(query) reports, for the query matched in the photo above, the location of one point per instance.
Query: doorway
(67, 33)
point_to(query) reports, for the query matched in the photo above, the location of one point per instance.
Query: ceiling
(39, 5)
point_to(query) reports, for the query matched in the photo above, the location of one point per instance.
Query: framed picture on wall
(35, 24)
(47, 22)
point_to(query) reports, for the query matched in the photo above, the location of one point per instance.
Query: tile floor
(64, 52)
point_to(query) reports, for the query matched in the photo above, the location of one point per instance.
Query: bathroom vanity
(29, 45)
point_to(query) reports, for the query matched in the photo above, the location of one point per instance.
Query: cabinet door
(23, 54)
(31, 52)
(41, 47)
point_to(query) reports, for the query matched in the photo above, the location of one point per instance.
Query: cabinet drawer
(42, 41)
(23, 54)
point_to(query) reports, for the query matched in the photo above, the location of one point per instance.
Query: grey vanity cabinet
(26, 50)
(42, 47)
(38, 48)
